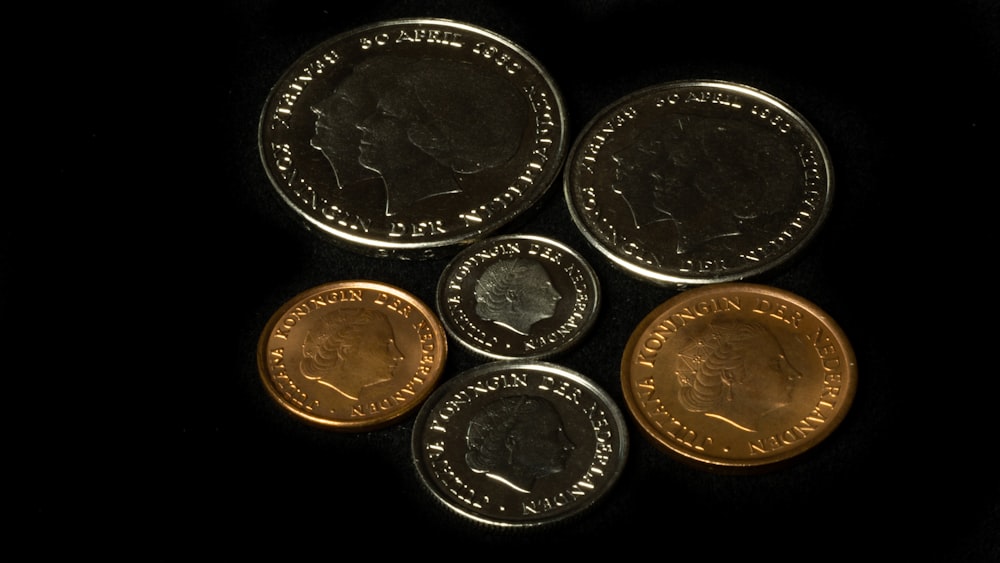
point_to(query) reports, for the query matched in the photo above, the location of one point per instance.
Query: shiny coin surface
(738, 375)
(410, 138)
(519, 444)
(697, 182)
(518, 296)
(352, 355)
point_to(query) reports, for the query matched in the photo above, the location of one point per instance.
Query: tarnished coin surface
(519, 444)
(695, 182)
(738, 376)
(518, 297)
(352, 355)
(410, 138)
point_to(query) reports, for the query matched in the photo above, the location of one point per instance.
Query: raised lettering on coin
(352, 355)
(518, 297)
(695, 182)
(519, 444)
(411, 138)
(738, 375)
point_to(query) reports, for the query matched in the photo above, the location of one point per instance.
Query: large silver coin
(696, 182)
(410, 138)
(519, 444)
(518, 297)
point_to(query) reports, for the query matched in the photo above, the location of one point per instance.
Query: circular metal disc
(738, 376)
(518, 297)
(410, 138)
(696, 182)
(519, 444)
(352, 355)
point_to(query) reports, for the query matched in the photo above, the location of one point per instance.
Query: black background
(185, 250)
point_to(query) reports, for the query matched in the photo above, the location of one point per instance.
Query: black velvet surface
(903, 100)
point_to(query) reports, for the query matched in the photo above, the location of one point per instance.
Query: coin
(352, 355)
(518, 296)
(738, 375)
(519, 443)
(411, 138)
(695, 182)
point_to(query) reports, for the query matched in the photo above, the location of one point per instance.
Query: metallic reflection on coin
(352, 355)
(519, 444)
(518, 297)
(411, 138)
(696, 182)
(738, 375)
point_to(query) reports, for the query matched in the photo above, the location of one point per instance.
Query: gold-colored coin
(738, 376)
(352, 355)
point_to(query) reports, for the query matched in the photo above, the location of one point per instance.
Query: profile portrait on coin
(736, 372)
(515, 293)
(517, 440)
(712, 179)
(337, 117)
(434, 123)
(349, 350)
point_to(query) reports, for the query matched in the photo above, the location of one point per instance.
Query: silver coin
(518, 297)
(410, 138)
(696, 182)
(519, 444)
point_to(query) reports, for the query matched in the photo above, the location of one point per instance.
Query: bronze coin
(738, 376)
(352, 355)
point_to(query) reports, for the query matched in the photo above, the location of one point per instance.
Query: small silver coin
(697, 182)
(411, 138)
(519, 444)
(518, 297)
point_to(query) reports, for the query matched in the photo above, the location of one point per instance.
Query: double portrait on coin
(694, 182)
(409, 138)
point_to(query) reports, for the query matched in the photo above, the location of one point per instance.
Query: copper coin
(738, 375)
(352, 355)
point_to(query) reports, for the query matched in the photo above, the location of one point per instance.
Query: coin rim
(549, 518)
(649, 430)
(669, 278)
(368, 423)
(453, 330)
(420, 249)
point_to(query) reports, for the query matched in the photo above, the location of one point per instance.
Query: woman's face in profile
(376, 356)
(539, 296)
(336, 133)
(770, 378)
(336, 125)
(628, 178)
(649, 181)
(542, 445)
(385, 134)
